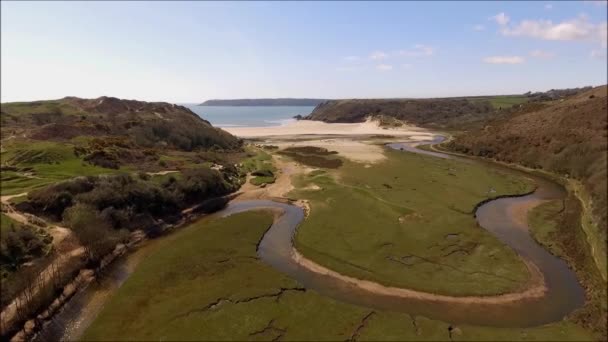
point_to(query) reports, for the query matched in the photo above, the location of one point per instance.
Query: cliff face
(423, 112)
(566, 136)
(146, 123)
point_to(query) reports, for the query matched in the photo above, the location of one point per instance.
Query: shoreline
(302, 128)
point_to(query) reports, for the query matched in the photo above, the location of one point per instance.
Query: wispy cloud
(504, 60)
(542, 54)
(577, 29)
(418, 50)
(501, 19)
(406, 66)
(378, 55)
(384, 67)
(548, 6)
(479, 27)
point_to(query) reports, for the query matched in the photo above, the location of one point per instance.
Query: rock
(69, 290)
(28, 327)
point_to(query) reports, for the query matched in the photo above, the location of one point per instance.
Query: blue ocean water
(258, 116)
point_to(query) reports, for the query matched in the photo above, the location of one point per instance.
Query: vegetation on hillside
(456, 113)
(149, 124)
(555, 225)
(566, 137)
(423, 112)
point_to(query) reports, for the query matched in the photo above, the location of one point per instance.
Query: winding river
(559, 292)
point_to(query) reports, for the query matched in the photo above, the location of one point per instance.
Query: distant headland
(264, 102)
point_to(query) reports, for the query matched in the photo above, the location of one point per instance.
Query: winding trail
(66, 247)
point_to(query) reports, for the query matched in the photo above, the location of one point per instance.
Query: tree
(93, 232)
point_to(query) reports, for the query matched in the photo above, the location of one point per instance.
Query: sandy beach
(307, 127)
(348, 139)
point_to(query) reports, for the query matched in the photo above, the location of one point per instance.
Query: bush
(92, 231)
(20, 245)
(262, 173)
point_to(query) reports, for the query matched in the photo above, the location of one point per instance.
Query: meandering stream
(504, 217)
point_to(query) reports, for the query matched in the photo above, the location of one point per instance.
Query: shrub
(262, 173)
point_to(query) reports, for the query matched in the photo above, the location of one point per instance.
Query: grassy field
(206, 283)
(260, 161)
(47, 162)
(408, 222)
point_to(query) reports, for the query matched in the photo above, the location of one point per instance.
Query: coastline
(304, 128)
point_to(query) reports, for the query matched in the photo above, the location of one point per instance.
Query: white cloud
(598, 54)
(548, 6)
(406, 66)
(578, 29)
(352, 58)
(501, 18)
(479, 28)
(378, 55)
(504, 60)
(542, 54)
(384, 67)
(418, 51)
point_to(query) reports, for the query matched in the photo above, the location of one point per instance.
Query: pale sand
(307, 127)
(354, 150)
(535, 289)
(304, 132)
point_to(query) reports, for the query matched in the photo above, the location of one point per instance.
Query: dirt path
(64, 243)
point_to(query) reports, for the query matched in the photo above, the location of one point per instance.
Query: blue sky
(192, 51)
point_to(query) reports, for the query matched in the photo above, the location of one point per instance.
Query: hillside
(567, 136)
(448, 113)
(149, 124)
(423, 112)
(263, 102)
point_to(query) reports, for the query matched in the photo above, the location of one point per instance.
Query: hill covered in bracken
(566, 136)
(149, 124)
(422, 112)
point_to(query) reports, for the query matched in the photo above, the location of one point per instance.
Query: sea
(245, 116)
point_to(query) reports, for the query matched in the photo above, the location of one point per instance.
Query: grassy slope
(555, 225)
(503, 102)
(50, 161)
(5, 225)
(567, 137)
(543, 226)
(369, 222)
(210, 260)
